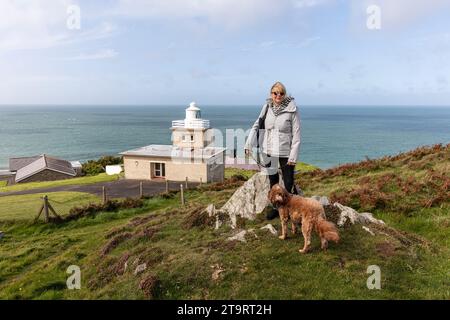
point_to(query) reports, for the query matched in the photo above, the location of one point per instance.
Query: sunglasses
(278, 94)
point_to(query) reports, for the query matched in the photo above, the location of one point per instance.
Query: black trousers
(287, 171)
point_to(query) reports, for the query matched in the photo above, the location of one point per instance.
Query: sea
(330, 135)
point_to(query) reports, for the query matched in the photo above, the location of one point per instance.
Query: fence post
(186, 183)
(46, 208)
(104, 194)
(200, 181)
(141, 190)
(182, 194)
(167, 186)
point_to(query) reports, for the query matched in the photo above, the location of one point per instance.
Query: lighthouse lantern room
(193, 131)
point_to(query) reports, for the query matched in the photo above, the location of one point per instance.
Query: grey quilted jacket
(281, 137)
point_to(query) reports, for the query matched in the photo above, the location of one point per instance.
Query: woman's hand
(290, 163)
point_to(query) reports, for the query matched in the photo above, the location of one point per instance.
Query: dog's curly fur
(308, 212)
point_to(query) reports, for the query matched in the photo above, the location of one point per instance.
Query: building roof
(169, 151)
(18, 163)
(42, 163)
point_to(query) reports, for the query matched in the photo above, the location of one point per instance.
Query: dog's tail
(327, 230)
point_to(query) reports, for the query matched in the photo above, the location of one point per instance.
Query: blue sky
(224, 52)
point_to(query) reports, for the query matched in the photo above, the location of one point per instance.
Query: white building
(190, 155)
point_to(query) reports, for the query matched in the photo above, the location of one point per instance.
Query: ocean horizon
(331, 135)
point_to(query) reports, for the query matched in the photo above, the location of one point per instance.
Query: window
(186, 137)
(160, 169)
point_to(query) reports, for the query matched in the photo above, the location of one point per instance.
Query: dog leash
(297, 189)
(260, 166)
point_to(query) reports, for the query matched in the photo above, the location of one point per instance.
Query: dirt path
(114, 189)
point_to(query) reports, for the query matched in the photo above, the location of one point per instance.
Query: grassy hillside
(187, 259)
(411, 191)
(25, 207)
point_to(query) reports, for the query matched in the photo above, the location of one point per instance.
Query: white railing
(194, 123)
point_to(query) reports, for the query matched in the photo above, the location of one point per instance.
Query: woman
(281, 140)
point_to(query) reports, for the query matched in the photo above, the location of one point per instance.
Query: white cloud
(42, 24)
(357, 72)
(399, 13)
(100, 55)
(309, 3)
(308, 41)
(267, 44)
(231, 14)
(25, 24)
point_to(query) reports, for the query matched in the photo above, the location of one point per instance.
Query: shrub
(94, 167)
(109, 206)
(238, 177)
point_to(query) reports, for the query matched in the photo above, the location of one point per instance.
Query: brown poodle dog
(308, 212)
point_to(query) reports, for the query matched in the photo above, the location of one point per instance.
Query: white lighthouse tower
(193, 131)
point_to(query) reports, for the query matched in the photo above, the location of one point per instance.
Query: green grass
(25, 207)
(304, 167)
(103, 177)
(300, 166)
(34, 258)
(229, 172)
(3, 183)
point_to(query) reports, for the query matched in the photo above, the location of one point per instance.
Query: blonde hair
(280, 86)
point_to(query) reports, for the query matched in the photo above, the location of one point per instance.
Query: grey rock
(322, 199)
(140, 268)
(270, 228)
(218, 269)
(368, 230)
(240, 236)
(353, 216)
(248, 201)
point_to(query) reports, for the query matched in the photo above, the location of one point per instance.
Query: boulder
(352, 216)
(251, 199)
(140, 268)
